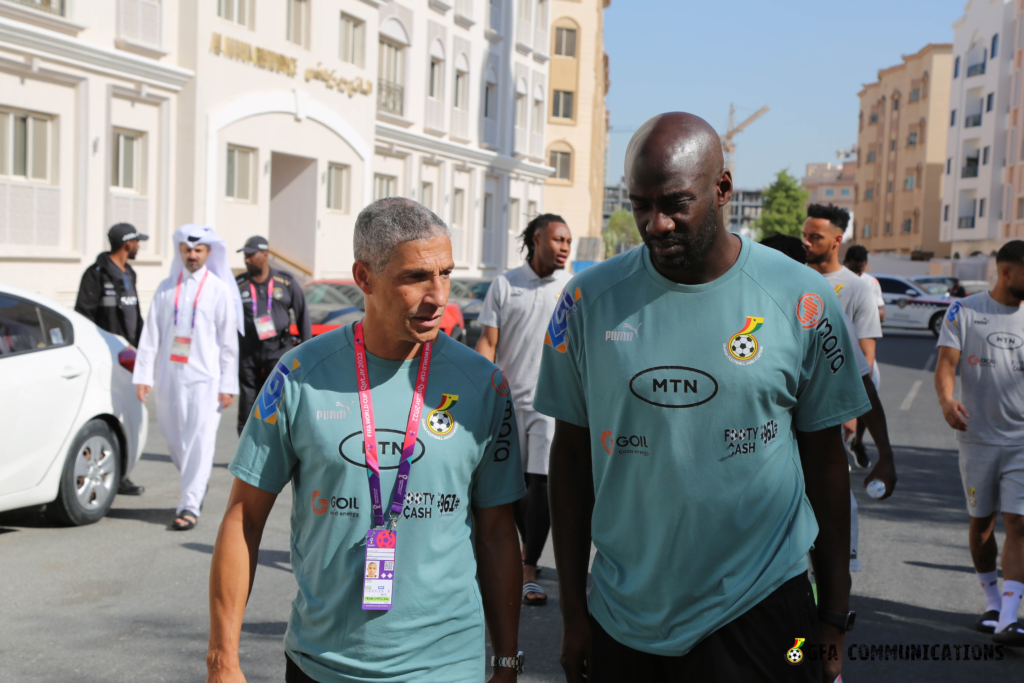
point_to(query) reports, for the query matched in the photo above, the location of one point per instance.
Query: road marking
(930, 364)
(911, 395)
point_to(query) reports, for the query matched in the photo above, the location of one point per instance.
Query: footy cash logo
(743, 347)
(267, 402)
(439, 421)
(567, 305)
(809, 309)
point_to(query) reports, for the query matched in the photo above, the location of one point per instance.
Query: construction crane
(728, 146)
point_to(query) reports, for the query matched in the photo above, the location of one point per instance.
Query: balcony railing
(464, 8)
(965, 222)
(390, 96)
(522, 146)
(460, 123)
(976, 69)
(969, 171)
(33, 216)
(540, 40)
(48, 6)
(972, 121)
(523, 32)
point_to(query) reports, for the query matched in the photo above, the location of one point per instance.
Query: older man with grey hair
(391, 586)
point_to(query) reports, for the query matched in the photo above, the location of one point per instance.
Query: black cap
(124, 232)
(254, 244)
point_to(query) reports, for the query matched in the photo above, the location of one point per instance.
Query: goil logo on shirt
(266, 405)
(319, 505)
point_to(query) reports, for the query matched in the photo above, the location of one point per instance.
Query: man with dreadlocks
(517, 310)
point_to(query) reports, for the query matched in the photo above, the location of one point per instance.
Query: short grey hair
(388, 222)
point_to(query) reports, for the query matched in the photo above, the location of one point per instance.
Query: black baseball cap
(254, 244)
(124, 232)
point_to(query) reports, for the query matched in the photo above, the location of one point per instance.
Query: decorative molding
(439, 6)
(523, 48)
(56, 47)
(393, 119)
(540, 57)
(31, 16)
(431, 145)
(463, 21)
(295, 102)
(140, 48)
(493, 36)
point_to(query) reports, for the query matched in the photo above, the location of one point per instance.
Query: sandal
(1012, 635)
(986, 623)
(531, 587)
(191, 519)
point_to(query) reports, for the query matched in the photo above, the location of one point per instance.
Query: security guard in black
(107, 294)
(258, 357)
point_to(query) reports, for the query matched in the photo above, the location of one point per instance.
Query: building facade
(901, 155)
(830, 183)
(616, 197)
(973, 207)
(280, 118)
(577, 121)
(743, 209)
(1012, 225)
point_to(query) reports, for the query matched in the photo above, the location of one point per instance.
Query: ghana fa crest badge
(440, 422)
(743, 347)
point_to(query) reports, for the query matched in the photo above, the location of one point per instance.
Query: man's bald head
(679, 141)
(678, 186)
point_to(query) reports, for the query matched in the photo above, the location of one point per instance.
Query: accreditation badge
(265, 327)
(180, 348)
(379, 569)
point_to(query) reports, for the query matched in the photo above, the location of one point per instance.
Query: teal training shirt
(305, 428)
(692, 394)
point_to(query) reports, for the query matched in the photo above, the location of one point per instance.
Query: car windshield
(937, 288)
(469, 289)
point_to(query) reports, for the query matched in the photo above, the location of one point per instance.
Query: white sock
(1012, 593)
(990, 584)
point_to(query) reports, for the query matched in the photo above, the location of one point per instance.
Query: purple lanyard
(270, 295)
(195, 303)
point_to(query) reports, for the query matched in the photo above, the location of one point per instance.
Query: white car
(908, 305)
(72, 424)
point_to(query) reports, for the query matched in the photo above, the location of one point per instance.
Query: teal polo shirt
(305, 429)
(693, 395)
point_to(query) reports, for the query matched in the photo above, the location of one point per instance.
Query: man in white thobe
(190, 347)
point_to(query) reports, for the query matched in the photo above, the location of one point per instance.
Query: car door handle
(70, 372)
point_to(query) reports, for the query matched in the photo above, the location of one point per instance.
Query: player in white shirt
(987, 331)
(857, 261)
(515, 315)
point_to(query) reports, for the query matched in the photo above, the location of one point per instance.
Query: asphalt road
(126, 599)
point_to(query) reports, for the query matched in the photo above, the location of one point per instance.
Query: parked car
(72, 424)
(975, 286)
(908, 305)
(335, 303)
(469, 294)
(935, 285)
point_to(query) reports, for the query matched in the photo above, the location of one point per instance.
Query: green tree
(621, 229)
(784, 207)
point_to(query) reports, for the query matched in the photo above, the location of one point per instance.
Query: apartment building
(1012, 224)
(831, 183)
(973, 203)
(616, 197)
(577, 121)
(278, 117)
(743, 209)
(901, 155)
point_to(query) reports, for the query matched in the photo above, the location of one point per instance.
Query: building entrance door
(292, 230)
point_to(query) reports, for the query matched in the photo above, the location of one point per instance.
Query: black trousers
(293, 674)
(253, 371)
(533, 517)
(753, 647)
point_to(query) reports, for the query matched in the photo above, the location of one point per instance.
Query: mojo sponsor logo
(502, 443)
(1005, 340)
(830, 345)
(352, 448)
(673, 386)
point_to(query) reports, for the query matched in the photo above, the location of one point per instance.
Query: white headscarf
(217, 262)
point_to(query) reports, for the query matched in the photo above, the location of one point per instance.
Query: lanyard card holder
(379, 569)
(180, 348)
(265, 327)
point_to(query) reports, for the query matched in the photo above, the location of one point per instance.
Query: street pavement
(126, 599)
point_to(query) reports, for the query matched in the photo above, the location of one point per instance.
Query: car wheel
(935, 324)
(90, 478)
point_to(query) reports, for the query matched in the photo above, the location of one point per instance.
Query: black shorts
(753, 647)
(293, 674)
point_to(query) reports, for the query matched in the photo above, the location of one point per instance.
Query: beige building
(901, 155)
(577, 118)
(278, 117)
(831, 183)
(1012, 224)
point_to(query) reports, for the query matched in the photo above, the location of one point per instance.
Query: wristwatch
(509, 662)
(841, 620)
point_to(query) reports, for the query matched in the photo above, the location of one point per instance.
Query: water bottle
(876, 489)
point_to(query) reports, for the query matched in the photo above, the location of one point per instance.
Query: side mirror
(911, 292)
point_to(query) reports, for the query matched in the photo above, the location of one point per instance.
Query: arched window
(435, 82)
(461, 91)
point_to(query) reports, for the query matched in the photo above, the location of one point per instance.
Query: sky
(805, 60)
